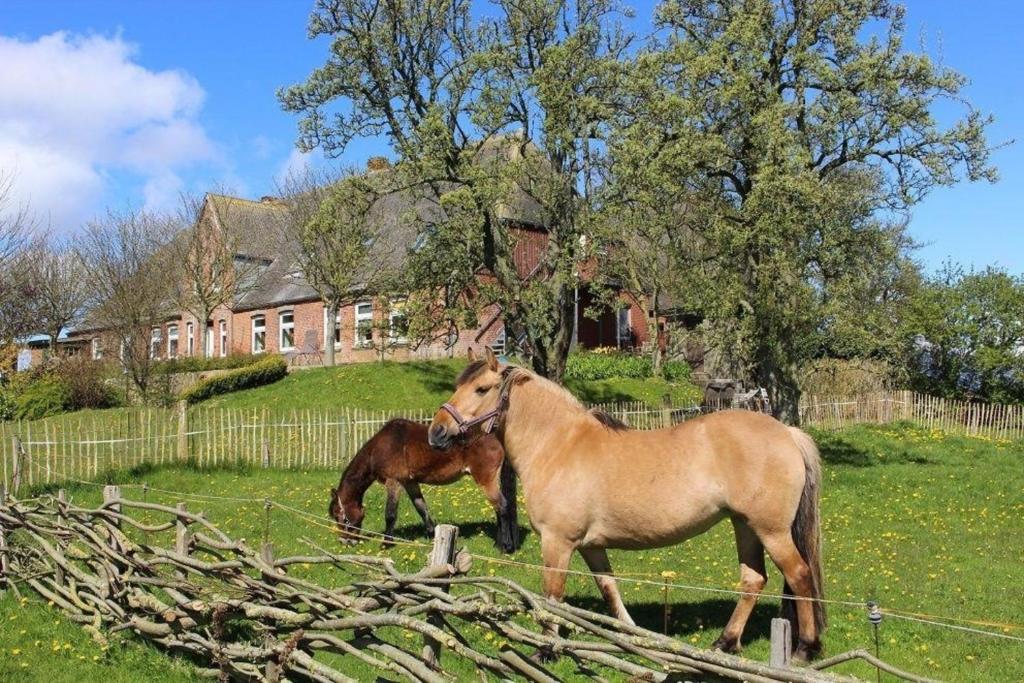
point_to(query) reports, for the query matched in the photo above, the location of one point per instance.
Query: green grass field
(420, 385)
(921, 522)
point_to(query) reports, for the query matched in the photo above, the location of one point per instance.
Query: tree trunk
(778, 378)
(551, 351)
(330, 327)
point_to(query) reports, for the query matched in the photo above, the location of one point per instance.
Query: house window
(190, 339)
(287, 319)
(172, 341)
(398, 324)
(498, 345)
(155, 340)
(223, 338)
(97, 349)
(364, 324)
(208, 348)
(259, 334)
(337, 328)
(623, 327)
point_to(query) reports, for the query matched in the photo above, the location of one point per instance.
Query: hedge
(265, 371)
(590, 365)
(201, 364)
(595, 365)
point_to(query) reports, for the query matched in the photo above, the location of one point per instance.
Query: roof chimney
(377, 164)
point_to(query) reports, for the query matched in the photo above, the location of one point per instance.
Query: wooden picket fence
(84, 445)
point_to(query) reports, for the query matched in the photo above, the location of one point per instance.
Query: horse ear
(492, 360)
(471, 355)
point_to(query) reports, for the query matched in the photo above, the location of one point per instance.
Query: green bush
(8, 405)
(675, 371)
(265, 371)
(44, 397)
(201, 364)
(591, 365)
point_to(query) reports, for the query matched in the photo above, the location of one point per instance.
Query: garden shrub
(86, 381)
(201, 364)
(265, 371)
(675, 370)
(594, 365)
(43, 397)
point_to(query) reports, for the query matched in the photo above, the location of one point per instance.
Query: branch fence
(83, 445)
(174, 578)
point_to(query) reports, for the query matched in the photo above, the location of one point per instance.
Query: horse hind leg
(597, 561)
(393, 489)
(797, 572)
(753, 578)
(420, 503)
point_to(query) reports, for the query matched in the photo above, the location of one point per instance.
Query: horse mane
(470, 371)
(609, 420)
(514, 374)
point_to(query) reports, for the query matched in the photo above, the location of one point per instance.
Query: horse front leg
(391, 511)
(556, 552)
(597, 561)
(420, 503)
(506, 535)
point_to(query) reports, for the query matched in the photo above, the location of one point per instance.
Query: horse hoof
(726, 644)
(805, 652)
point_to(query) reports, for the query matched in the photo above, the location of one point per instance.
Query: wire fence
(87, 443)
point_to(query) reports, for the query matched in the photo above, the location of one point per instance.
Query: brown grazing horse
(591, 486)
(399, 456)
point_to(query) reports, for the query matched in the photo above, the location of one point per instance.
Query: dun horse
(590, 486)
(399, 456)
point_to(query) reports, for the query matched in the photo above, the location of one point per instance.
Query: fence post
(182, 430)
(16, 451)
(266, 454)
(62, 515)
(182, 536)
(3, 544)
(112, 494)
(442, 555)
(782, 643)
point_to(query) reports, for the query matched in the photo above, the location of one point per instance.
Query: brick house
(280, 312)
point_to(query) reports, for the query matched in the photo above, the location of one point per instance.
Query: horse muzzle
(438, 437)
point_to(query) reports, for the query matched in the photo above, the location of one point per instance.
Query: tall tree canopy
(792, 133)
(499, 117)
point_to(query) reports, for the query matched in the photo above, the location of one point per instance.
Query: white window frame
(359, 318)
(337, 328)
(254, 330)
(97, 349)
(397, 309)
(622, 332)
(156, 340)
(223, 337)
(172, 336)
(190, 339)
(208, 347)
(282, 326)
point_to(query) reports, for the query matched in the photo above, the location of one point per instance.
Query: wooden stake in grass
(442, 555)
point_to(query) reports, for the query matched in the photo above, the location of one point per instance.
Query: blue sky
(158, 97)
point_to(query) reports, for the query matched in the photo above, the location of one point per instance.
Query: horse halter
(490, 418)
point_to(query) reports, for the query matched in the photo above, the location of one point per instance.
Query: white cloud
(77, 109)
(297, 164)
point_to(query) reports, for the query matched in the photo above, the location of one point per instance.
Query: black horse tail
(508, 524)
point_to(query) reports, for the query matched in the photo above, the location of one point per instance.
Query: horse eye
(482, 390)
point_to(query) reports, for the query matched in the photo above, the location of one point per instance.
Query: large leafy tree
(794, 132)
(964, 335)
(500, 117)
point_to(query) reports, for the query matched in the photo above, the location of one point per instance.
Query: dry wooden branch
(244, 617)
